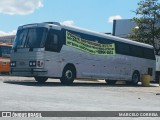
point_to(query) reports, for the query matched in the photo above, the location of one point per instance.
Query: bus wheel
(68, 75)
(41, 79)
(135, 78)
(111, 82)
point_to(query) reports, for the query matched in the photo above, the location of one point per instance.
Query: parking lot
(24, 94)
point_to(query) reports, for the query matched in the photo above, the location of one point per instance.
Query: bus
(5, 53)
(54, 50)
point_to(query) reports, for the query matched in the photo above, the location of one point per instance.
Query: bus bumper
(31, 72)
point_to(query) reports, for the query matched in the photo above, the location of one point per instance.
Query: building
(123, 27)
(7, 39)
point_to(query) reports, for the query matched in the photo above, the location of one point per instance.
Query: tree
(148, 24)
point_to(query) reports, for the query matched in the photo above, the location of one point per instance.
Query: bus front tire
(68, 75)
(41, 79)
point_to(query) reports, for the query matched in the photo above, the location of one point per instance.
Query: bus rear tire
(41, 79)
(135, 78)
(68, 75)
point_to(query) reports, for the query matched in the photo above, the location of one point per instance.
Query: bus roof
(85, 31)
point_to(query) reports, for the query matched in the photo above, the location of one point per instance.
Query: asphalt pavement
(25, 94)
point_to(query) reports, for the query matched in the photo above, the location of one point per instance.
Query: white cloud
(19, 7)
(68, 22)
(111, 18)
(2, 33)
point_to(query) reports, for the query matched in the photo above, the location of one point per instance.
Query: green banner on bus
(89, 46)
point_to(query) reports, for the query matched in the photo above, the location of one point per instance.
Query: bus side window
(52, 42)
(149, 53)
(136, 51)
(122, 48)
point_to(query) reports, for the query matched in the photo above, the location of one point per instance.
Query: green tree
(148, 24)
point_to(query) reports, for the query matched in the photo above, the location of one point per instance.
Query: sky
(94, 15)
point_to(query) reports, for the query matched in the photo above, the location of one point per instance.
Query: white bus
(53, 50)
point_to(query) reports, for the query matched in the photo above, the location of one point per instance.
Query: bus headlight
(13, 64)
(32, 63)
(40, 63)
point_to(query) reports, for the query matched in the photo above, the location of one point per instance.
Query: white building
(122, 28)
(7, 39)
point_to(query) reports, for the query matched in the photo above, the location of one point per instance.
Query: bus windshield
(30, 38)
(5, 51)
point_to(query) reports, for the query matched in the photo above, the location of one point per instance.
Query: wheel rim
(69, 74)
(135, 78)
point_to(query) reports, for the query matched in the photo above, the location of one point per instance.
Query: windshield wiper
(29, 45)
